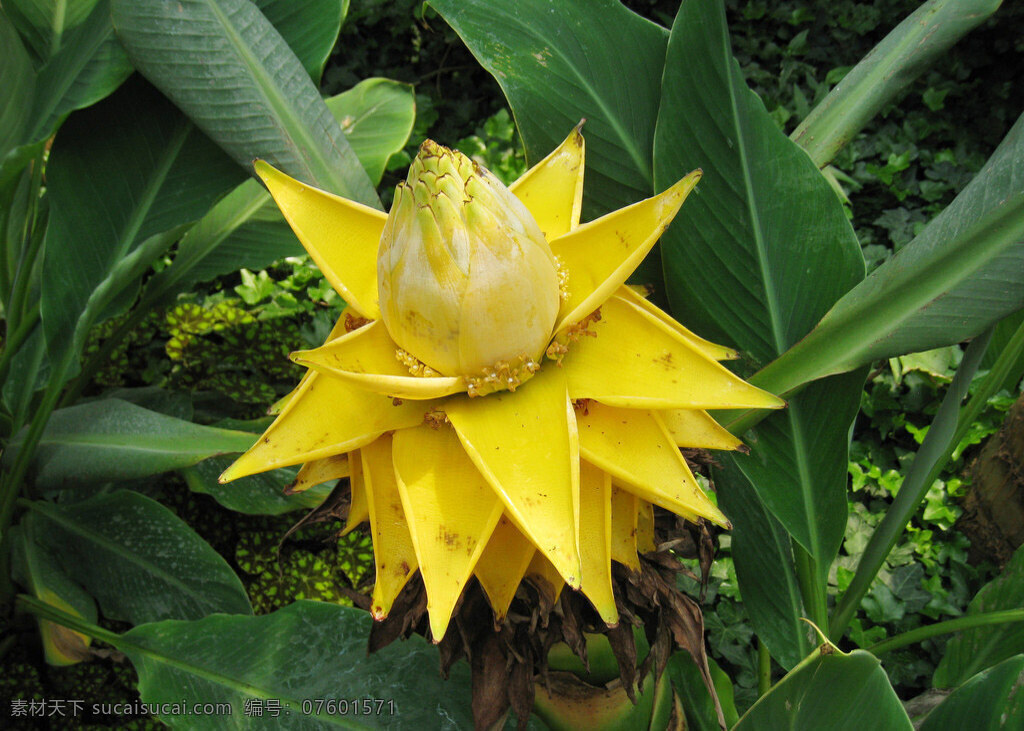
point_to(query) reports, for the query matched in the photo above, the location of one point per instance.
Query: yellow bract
(469, 451)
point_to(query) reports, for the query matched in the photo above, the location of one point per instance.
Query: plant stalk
(11, 482)
(16, 340)
(45, 611)
(764, 668)
(959, 624)
(812, 589)
(921, 475)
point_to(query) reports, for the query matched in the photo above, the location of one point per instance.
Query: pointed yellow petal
(393, 552)
(319, 471)
(601, 254)
(645, 527)
(637, 362)
(595, 540)
(711, 350)
(502, 565)
(624, 509)
(525, 444)
(451, 510)
(696, 429)
(552, 190)
(339, 329)
(635, 447)
(366, 358)
(358, 507)
(341, 235)
(326, 417)
(545, 575)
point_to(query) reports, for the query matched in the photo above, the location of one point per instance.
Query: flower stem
(959, 624)
(931, 458)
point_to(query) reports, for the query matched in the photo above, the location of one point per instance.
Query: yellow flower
(508, 407)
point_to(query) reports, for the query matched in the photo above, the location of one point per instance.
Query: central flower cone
(502, 404)
(465, 277)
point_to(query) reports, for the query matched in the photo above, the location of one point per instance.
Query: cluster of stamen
(560, 345)
(415, 365)
(503, 375)
(436, 418)
(563, 279)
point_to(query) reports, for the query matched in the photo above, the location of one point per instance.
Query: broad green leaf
(246, 230)
(755, 256)
(911, 48)
(763, 557)
(44, 23)
(140, 561)
(561, 62)
(110, 439)
(17, 85)
(963, 272)
(310, 27)
(762, 248)
(228, 68)
(89, 65)
(261, 494)
(122, 175)
(830, 690)
(977, 649)
(377, 117)
(177, 404)
(39, 572)
(989, 701)
(297, 658)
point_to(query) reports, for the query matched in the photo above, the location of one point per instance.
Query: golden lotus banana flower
(508, 407)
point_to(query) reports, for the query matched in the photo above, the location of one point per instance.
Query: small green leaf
(831, 690)
(140, 561)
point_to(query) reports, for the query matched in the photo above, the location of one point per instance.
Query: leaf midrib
(625, 141)
(272, 97)
(771, 297)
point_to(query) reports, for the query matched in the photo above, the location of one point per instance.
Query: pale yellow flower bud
(466, 280)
